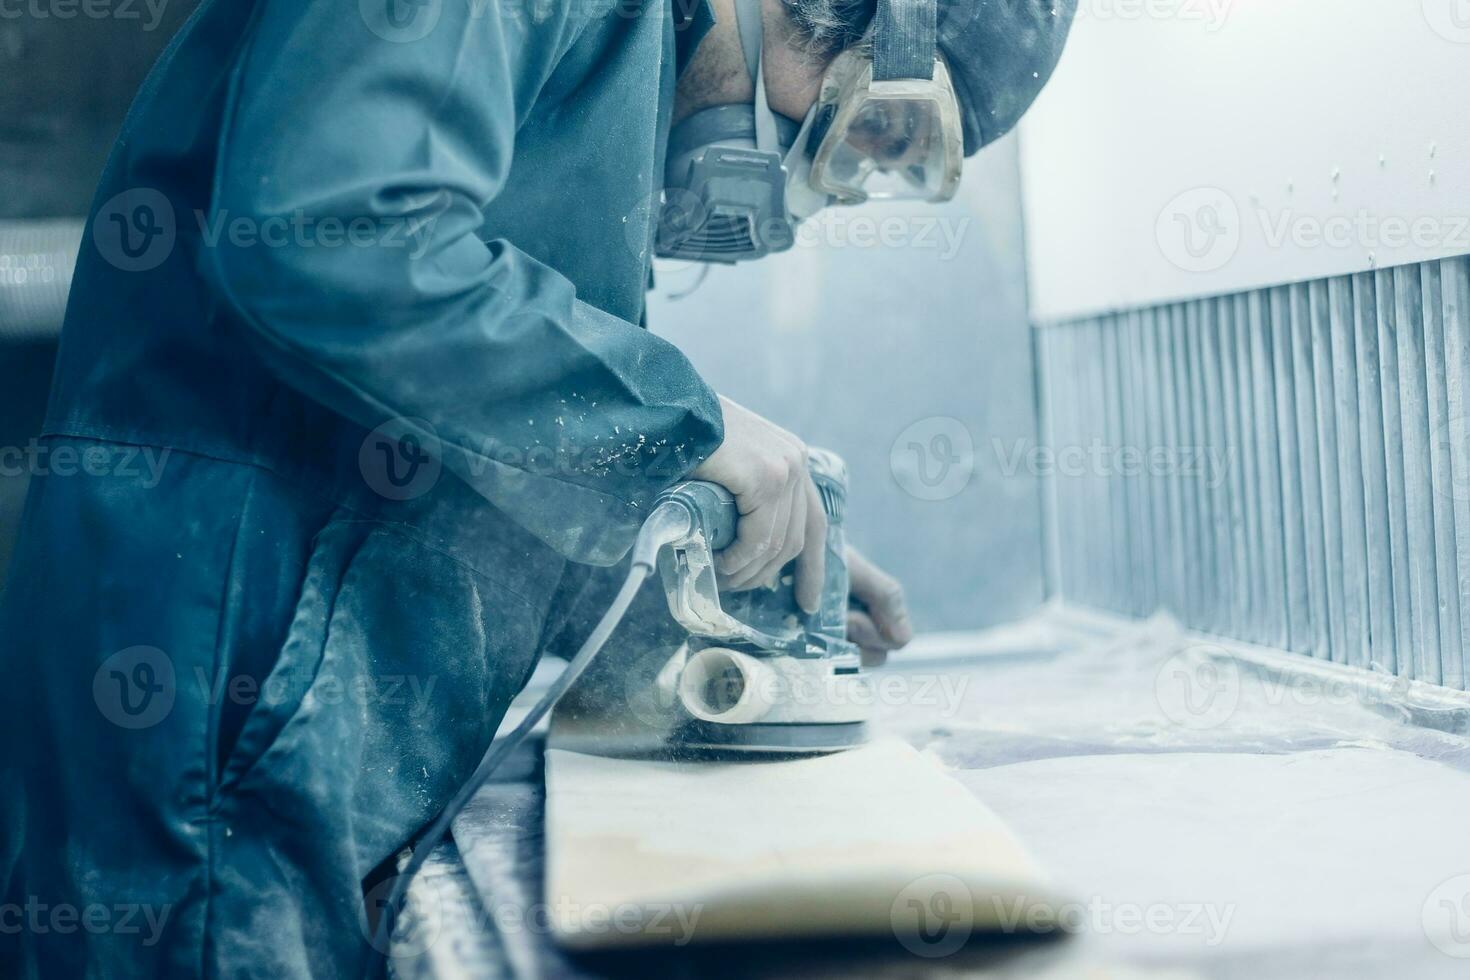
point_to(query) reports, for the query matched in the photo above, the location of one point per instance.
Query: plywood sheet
(877, 841)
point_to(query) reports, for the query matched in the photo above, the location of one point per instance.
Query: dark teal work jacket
(352, 389)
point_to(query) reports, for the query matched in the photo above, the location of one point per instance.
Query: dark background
(66, 82)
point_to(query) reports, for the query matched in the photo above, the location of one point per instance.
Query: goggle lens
(893, 149)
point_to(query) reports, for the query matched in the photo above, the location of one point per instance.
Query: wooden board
(876, 841)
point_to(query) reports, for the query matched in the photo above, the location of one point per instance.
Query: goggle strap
(904, 38)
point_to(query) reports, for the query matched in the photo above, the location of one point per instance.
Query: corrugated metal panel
(36, 263)
(1288, 467)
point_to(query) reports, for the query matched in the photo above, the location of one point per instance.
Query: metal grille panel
(1288, 467)
(36, 262)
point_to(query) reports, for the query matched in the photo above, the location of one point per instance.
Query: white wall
(1195, 147)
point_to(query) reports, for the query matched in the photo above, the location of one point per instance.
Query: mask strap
(752, 41)
(904, 39)
(752, 34)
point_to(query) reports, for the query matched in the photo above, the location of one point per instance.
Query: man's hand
(765, 467)
(879, 621)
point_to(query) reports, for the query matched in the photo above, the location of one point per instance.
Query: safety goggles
(885, 140)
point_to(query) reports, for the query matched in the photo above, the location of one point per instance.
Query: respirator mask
(885, 126)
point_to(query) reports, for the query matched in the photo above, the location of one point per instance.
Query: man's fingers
(797, 538)
(862, 631)
(764, 572)
(753, 535)
(884, 599)
(748, 559)
(811, 563)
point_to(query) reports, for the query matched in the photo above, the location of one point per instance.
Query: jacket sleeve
(359, 151)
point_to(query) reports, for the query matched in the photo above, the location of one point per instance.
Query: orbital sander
(760, 674)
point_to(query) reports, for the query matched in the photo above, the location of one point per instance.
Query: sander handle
(711, 508)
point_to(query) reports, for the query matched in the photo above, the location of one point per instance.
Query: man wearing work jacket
(352, 395)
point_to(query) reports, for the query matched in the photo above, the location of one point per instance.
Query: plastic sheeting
(1230, 811)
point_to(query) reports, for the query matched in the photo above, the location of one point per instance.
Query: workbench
(1306, 820)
